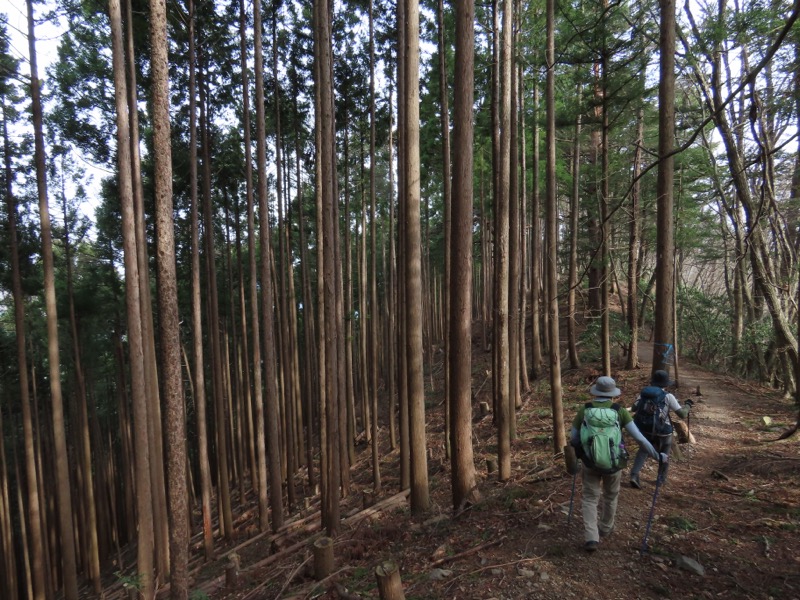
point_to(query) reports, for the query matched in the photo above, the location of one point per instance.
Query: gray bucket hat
(605, 387)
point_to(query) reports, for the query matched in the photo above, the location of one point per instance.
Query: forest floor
(731, 504)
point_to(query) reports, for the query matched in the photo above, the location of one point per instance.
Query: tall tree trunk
(258, 397)
(572, 334)
(198, 373)
(144, 504)
(605, 226)
(402, 300)
(559, 438)
(311, 377)
(89, 509)
(285, 269)
(169, 327)
(350, 392)
(392, 292)
(8, 568)
(68, 560)
(536, 247)
(634, 268)
(33, 514)
(500, 344)
(270, 430)
(525, 282)
(464, 480)
(160, 524)
(514, 398)
(420, 494)
(329, 287)
(373, 276)
(221, 414)
(665, 247)
(447, 201)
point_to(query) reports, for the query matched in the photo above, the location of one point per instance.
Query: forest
(259, 258)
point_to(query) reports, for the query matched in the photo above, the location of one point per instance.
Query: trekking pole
(690, 404)
(662, 472)
(572, 496)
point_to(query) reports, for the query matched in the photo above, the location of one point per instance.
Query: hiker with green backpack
(652, 409)
(596, 435)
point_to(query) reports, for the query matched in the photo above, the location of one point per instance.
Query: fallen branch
(378, 507)
(285, 585)
(488, 567)
(550, 472)
(720, 475)
(448, 559)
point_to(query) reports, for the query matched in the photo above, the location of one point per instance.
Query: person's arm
(574, 437)
(641, 440)
(676, 407)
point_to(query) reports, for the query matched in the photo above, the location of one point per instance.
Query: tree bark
(420, 495)
(373, 276)
(665, 246)
(198, 373)
(536, 247)
(634, 269)
(69, 567)
(552, 237)
(91, 550)
(464, 484)
(169, 324)
(572, 334)
(500, 345)
(329, 287)
(144, 504)
(33, 515)
(447, 201)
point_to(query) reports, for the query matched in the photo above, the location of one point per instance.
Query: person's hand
(663, 459)
(689, 403)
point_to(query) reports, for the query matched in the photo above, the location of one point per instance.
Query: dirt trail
(731, 503)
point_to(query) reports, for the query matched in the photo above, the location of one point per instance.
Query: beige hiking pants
(595, 487)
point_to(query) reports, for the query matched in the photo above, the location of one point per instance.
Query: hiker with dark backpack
(652, 409)
(596, 435)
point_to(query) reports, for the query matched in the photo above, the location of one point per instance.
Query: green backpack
(601, 439)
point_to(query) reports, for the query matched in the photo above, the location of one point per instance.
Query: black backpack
(652, 414)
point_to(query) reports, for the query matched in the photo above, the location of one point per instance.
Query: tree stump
(367, 498)
(133, 593)
(484, 408)
(389, 585)
(682, 432)
(491, 465)
(675, 452)
(232, 572)
(323, 558)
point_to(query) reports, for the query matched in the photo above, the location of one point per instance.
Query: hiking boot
(590, 546)
(635, 482)
(605, 534)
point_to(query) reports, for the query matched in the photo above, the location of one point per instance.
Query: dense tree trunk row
(324, 329)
